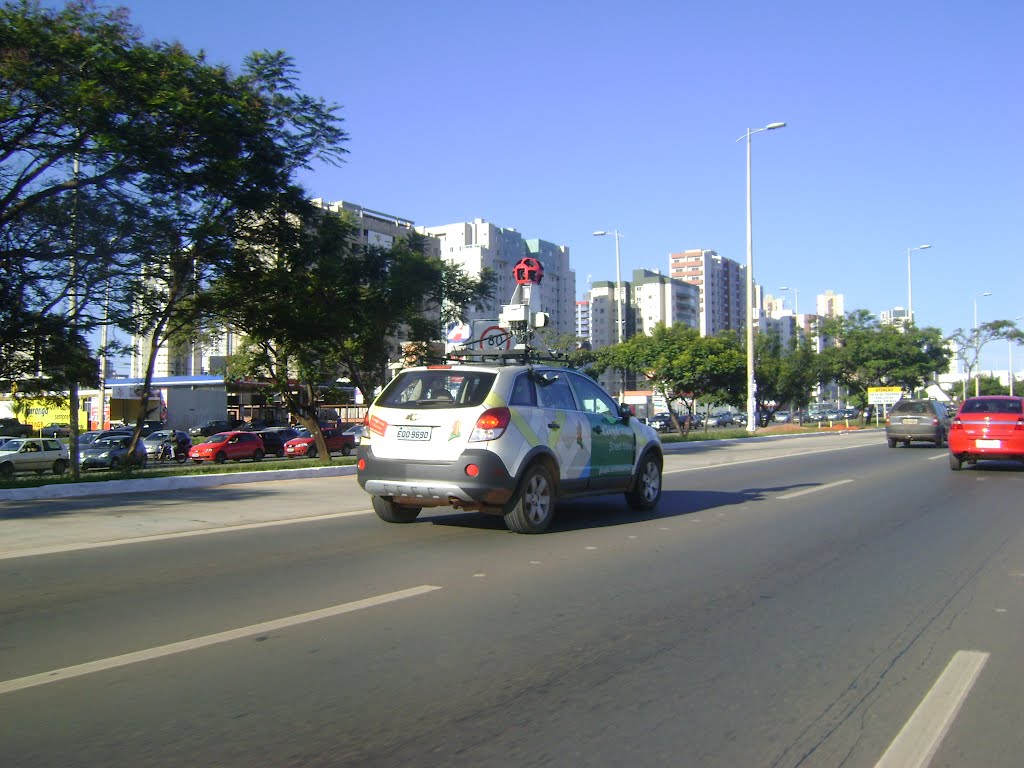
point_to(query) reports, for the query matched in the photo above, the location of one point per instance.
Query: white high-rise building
(657, 298)
(723, 289)
(474, 245)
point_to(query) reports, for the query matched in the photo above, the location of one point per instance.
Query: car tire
(955, 462)
(115, 463)
(346, 450)
(312, 453)
(221, 458)
(533, 507)
(390, 512)
(7, 469)
(646, 490)
(60, 467)
(892, 443)
(258, 455)
(939, 440)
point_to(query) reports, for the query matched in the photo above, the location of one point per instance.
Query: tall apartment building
(373, 228)
(897, 316)
(583, 330)
(830, 304)
(657, 298)
(476, 244)
(722, 284)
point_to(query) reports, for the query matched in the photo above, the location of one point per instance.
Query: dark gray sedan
(112, 453)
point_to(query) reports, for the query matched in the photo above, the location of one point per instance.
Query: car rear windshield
(437, 388)
(913, 408)
(976, 405)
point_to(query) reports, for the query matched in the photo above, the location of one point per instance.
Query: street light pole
(977, 374)
(618, 279)
(1010, 342)
(751, 383)
(910, 290)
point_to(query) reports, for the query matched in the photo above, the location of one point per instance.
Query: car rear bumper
(438, 484)
(965, 447)
(913, 432)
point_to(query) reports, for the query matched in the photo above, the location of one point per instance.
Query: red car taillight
(491, 425)
(1019, 424)
(955, 424)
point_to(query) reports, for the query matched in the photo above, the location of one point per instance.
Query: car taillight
(955, 424)
(1019, 424)
(491, 425)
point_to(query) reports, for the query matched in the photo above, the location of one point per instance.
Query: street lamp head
(922, 247)
(783, 287)
(600, 232)
(987, 293)
(773, 126)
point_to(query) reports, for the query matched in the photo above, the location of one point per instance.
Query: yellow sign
(881, 390)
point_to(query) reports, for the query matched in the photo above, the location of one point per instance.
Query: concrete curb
(143, 485)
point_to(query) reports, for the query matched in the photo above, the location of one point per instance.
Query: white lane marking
(57, 548)
(149, 654)
(940, 456)
(916, 744)
(815, 489)
(761, 459)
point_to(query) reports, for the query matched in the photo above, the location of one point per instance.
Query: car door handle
(598, 430)
(554, 425)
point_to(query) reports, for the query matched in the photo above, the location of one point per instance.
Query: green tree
(970, 343)
(402, 288)
(785, 376)
(682, 366)
(871, 355)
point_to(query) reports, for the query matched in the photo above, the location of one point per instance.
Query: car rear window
(981, 405)
(437, 388)
(912, 408)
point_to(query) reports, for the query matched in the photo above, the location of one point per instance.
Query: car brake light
(1019, 424)
(491, 425)
(955, 424)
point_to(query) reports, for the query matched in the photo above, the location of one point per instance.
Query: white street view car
(505, 440)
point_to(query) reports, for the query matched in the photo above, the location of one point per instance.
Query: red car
(228, 446)
(305, 443)
(988, 427)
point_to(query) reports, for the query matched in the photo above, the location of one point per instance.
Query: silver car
(917, 420)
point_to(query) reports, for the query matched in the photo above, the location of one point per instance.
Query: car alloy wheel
(533, 507)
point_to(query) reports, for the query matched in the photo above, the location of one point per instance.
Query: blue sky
(561, 118)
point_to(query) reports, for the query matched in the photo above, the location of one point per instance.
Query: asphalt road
(800, 602)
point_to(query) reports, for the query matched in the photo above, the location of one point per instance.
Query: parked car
(356, 433)
(6, 438)
(211, 427)
(305, 444)
(13, 427)
(988, 427)
(273, 441)
(56, 430)
(917, 420)
(228, 446)
(509, 440)
(167, 444)
(33, 454)
(112, 452)
(86, 438)
(660, 422)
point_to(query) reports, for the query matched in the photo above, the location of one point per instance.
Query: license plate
(988, 443)
(413, 433)
(910, 421)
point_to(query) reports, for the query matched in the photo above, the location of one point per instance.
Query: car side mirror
(625, 412)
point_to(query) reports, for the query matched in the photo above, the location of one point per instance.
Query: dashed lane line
(815, 489)
(919, 740)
